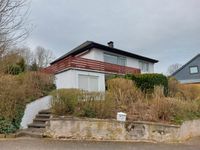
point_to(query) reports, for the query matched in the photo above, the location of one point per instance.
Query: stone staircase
(37, 128)
(40, 120)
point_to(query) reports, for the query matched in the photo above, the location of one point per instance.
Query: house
(190, 72)
(87, 66)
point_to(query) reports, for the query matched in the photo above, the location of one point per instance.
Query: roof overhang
(89, 45)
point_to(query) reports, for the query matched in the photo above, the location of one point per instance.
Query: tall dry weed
(124, 93)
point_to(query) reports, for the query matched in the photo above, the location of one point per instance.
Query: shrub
(91, 96)
(96, 108)
(89, 111)
(16, 91)
(14, 69)
(147, 82)
(11, 95)
(173, 87)
(107, 108)
(36, 84)
(189, 92)
(6, 126)
(161, 108)
(183, 91)
(64, 101)
(169, 109)
(124, 92)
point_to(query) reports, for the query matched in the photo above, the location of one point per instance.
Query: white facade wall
(131, 62)
(96, 54)
(69, 79)
(65, 79)
(151, 68)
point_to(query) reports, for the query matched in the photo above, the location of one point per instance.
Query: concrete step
(40, 120)
(43, 115)
(45, 112)
(37, 125)
(35, 133)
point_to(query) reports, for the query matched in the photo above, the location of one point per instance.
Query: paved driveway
(48, 144)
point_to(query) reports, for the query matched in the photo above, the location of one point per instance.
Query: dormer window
(194, 69)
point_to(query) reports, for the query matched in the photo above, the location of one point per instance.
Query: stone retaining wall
(96, 129)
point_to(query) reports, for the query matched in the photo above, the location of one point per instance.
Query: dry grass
(36, 84)
(183, 102)
(183, 91)
(124, 93)
(16, 91)
(11, 95)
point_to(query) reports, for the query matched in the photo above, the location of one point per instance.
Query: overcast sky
(167, 30)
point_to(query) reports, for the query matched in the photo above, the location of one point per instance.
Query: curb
(3, 136)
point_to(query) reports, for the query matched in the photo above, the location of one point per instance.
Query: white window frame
(192, 71)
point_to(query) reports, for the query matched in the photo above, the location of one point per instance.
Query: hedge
(147, 82)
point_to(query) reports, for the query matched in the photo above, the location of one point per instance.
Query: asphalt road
(49, 144)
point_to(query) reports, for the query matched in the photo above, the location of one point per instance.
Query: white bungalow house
(86, 66)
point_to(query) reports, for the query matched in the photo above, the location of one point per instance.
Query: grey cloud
(167, 30)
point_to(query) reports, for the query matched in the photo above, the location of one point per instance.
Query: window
(194, 69)
(115, 59)
(122, 61)
(88, 83)
(110, 59)
(144, 66)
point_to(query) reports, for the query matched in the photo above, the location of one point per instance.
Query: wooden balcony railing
(82, 63)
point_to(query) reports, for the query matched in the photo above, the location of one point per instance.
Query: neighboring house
(86, 66)
(190, 72)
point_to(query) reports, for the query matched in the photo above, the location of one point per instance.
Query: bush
(183, 91)
(166, 109)
(6, 126)
(16, 91)
(64, 101)
(182, 102)
(14, 69)
(36, 84)
(89, 112)
(82, 104)
(124, 93)
(172, 109)
(11, 96)
(173, 87)
(103, 109)
(147, 82)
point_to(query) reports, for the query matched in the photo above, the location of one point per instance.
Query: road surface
(49, 144)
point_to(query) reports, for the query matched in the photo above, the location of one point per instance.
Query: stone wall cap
(71, 118)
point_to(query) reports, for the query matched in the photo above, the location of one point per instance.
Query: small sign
(121, 116)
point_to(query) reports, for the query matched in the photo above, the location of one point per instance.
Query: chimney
(111, 44)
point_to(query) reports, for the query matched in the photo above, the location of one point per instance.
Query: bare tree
(12, 17)
(172, 68)
(43, 57)
(26, 53)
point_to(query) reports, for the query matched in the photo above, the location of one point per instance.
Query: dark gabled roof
(185, 65)
(90, 44)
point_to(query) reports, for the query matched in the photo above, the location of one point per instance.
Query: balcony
(88, 64)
